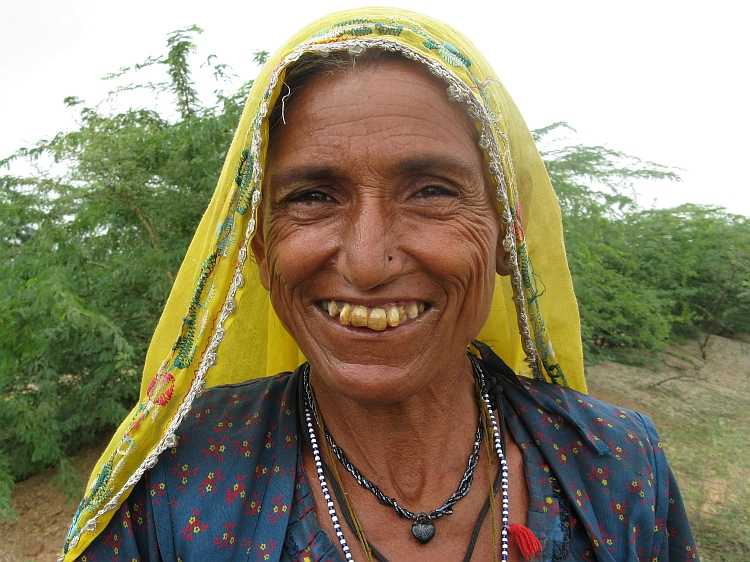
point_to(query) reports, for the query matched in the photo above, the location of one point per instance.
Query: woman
(405, 213)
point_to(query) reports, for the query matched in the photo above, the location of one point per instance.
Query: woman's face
(376, 198)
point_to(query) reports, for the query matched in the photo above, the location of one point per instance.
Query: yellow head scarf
(218, 326)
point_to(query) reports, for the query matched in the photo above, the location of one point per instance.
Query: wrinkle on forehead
(317, 68)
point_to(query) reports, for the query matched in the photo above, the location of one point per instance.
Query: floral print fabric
(234, 487)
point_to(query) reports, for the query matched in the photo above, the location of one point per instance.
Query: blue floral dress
(234, 488)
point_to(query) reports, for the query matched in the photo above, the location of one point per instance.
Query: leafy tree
(619, 312)
(642, 276)
(698, 256)
(89, 246)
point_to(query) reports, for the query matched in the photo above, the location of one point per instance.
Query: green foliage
(643, 275)
(619, 313)
(698, 257)
(90, 242)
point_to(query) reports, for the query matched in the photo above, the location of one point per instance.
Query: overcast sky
(666, 81)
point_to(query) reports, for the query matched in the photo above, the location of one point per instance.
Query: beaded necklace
(310, 412)
(423, 528)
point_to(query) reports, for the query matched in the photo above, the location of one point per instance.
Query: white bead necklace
(329, 501)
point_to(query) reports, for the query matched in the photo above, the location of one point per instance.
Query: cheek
(461, 256)
(294, 253)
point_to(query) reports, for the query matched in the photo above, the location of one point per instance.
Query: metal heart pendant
(423, 529)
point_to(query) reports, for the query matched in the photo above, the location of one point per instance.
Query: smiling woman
(405, 215)
(374, 161)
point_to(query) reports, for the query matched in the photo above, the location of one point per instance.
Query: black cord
(339, 493)
(482, 515)
(495, 392)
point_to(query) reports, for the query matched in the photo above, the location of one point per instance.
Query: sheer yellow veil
(218, 327)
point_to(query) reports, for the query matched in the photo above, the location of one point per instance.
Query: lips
(373, 317)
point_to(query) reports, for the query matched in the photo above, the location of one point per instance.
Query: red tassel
(528, 544)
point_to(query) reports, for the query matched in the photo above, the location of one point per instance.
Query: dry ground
(43, 516)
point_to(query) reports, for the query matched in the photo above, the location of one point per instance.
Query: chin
(383, 371)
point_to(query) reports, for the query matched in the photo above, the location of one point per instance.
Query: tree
(621, 315)
(89, 246)
(700, 257)
(641, 276)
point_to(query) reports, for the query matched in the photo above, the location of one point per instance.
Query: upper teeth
(376, 318)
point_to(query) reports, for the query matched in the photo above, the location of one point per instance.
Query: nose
(366, 255)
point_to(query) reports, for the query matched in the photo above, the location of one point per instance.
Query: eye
(436, 190)
(310, 197)
(434, 198)
(310, 203)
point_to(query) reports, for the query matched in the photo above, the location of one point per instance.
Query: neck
(414, 448)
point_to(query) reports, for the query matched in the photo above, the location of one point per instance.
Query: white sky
(667, 81)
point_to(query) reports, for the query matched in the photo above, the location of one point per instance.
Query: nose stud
(390, 258)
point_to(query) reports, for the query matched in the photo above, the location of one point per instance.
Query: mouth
(376, 318)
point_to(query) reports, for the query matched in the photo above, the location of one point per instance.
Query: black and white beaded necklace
(423, 528)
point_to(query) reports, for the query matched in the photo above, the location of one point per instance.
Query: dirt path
(724, 375)
(43, 516)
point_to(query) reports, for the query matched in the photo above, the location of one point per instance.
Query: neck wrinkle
(415, 450)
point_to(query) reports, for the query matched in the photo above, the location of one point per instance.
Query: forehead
(384, 114)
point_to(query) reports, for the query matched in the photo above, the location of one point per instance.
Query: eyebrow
(436, 163)
(304, 173)
(413, 164)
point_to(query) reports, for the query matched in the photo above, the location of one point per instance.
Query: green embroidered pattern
(184, 346)
(244, 179)
(386, 29)
(448, 53)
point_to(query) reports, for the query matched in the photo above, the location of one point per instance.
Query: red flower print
(600, 421)
(264, 549)
(209, 483)
(630, 436)
(609, 540)
(269, 442)
(224, 424)
(193, 526)
(620, 508)
(583, 404)
(157, 491)
(236, 491)
(636, 487)
(253, 507)
(600, 473)
(201, 415)
(113, 541)
(581, 497)
(618, 450)
(216, 448)
(279, 508)
(183, 474)
(227, 539)
(243, 447)
(126, 523)
(290, 439)
(236, 398)
(256, 418)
